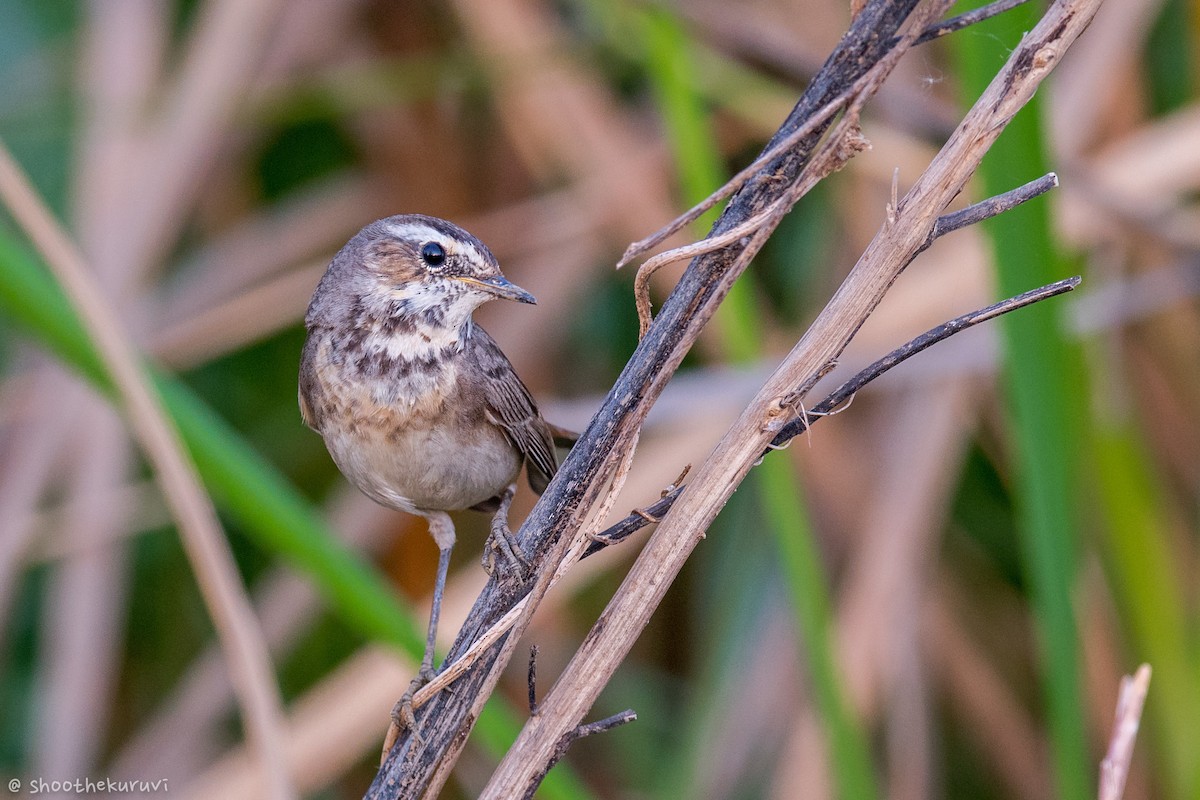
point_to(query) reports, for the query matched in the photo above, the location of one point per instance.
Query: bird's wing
(310, 385)
(511, 407)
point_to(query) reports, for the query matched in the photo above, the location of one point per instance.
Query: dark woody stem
(420, 765)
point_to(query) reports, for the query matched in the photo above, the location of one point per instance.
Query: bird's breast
(401, 426)
(408, 369)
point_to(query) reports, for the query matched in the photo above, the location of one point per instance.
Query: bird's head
(418, 267)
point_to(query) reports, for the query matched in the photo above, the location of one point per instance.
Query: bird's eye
(433, 253)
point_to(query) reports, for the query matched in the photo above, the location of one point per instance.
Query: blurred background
(933, 594)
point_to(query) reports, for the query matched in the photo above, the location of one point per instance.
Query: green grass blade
(854, 772)
(266, 506)
(1044, 398)
(1150, 599)
(669, 65)
(1169, 60)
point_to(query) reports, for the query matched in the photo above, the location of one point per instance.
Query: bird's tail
(563, 438)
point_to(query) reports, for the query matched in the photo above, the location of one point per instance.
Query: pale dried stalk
(893, 248)
(223, 47)
(84, 613)
(1115, 767)
(203, 539)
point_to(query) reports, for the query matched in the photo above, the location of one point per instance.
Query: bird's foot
(502, 540)
(402, 717)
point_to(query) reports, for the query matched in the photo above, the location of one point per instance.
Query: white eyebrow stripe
(424, 232)
(415, 230)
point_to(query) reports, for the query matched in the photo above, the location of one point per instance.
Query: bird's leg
(501, 538)
(441, 527)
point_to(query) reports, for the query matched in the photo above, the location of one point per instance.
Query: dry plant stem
(202, 536)
(773, 152)
(447, 719)
(893, 247)
(1114, 769)
(641, 283)
(834, 401)
(532, 680)
(947, 223)
(993, 206)
(842, 143)
(846, 391)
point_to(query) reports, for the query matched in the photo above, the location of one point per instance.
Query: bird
(418, 406)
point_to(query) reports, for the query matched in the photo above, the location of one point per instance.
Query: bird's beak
(501, 287)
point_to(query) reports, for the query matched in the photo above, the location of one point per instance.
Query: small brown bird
(418, 406)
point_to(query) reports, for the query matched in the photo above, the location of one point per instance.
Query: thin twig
(622, 530)
(843, 393)
(577, 733)
(203, 540)
(947, 223)
(532, 680)
(641, 283)
(968, 18)
(839, 146)
(993, 206)
(1114, 769)
(835, 401)
(602, 725)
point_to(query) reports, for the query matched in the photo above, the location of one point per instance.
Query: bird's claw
(501, 540)
(402, 716)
